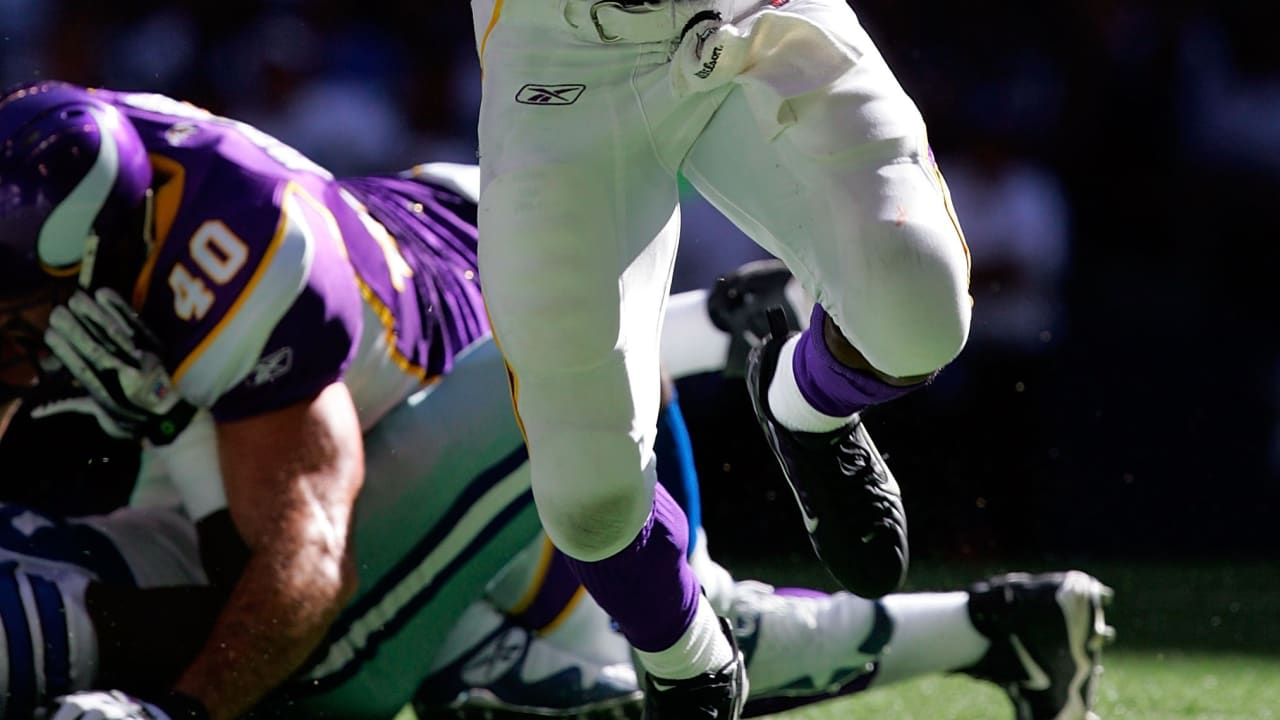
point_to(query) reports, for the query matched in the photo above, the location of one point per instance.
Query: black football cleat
(717, 695)
(739, 303)
(1047, 633)
(849, 499)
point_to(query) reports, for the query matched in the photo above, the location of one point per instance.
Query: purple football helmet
(72, 167)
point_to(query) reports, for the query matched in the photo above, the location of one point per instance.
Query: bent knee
(912, 316)
(591, 524)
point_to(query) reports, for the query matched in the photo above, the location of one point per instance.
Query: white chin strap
(62, 243)
(89, 260)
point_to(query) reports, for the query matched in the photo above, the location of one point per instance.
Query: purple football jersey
(268, 278)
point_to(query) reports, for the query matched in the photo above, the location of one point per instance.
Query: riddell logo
(550, 94)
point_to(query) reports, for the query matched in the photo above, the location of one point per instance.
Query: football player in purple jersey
(293, 309)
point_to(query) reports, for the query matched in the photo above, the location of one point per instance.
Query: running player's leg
(579, 224)
(834, 176)
(839, 182)
(542, 642)
(802, 646)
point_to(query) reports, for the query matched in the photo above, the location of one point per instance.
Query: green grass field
(1136, 686)
(1196, 641)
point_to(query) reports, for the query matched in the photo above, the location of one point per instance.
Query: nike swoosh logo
(660, 686)
(810, 523)
(1037, 680)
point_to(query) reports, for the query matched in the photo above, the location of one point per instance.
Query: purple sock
(648, 587)
(800, 593)
(557, 589)
(831, 387)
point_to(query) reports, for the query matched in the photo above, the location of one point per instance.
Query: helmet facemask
(24, 359)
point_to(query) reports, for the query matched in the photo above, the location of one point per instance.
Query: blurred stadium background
(1116, 164)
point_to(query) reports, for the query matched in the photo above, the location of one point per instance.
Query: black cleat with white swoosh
(1047, 633)
(717, 695)
(848, 498)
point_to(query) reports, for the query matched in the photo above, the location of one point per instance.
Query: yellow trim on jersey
(384, 313)
(281, 227)
(167, 199)
(563, 614)
(330, 222)
(493, 21)
(388, 320)
(397, 267)
(60, 272)
(169, 195)
(539, 577)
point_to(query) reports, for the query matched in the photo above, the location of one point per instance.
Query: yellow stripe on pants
(493, 21)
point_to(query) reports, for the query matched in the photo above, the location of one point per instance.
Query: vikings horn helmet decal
(71, 168)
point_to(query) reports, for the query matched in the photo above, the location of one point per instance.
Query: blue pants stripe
(407, 612)
(483, 483)
(53, 626)
(22, 665)
(676, 468)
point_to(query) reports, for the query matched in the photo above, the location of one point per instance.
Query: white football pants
(785, 117)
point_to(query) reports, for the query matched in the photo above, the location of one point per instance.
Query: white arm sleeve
(185, 472)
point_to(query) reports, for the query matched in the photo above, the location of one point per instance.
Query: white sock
(787, 403)
(716, 581)
(702, 648)
(801, 640)
(931, 633)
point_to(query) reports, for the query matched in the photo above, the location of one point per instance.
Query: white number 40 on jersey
(218, 255)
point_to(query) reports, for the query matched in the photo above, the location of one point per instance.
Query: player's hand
(115, 358)
(104, 705)
(82, 404)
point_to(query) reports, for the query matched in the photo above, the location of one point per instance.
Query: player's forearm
(291, 478)
(7, 411)
(276, 615)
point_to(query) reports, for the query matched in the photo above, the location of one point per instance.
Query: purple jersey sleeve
(283, 327)
(265, 267)
(249, 287)
(309, 348)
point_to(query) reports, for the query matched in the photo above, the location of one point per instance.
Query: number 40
(219, 255)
